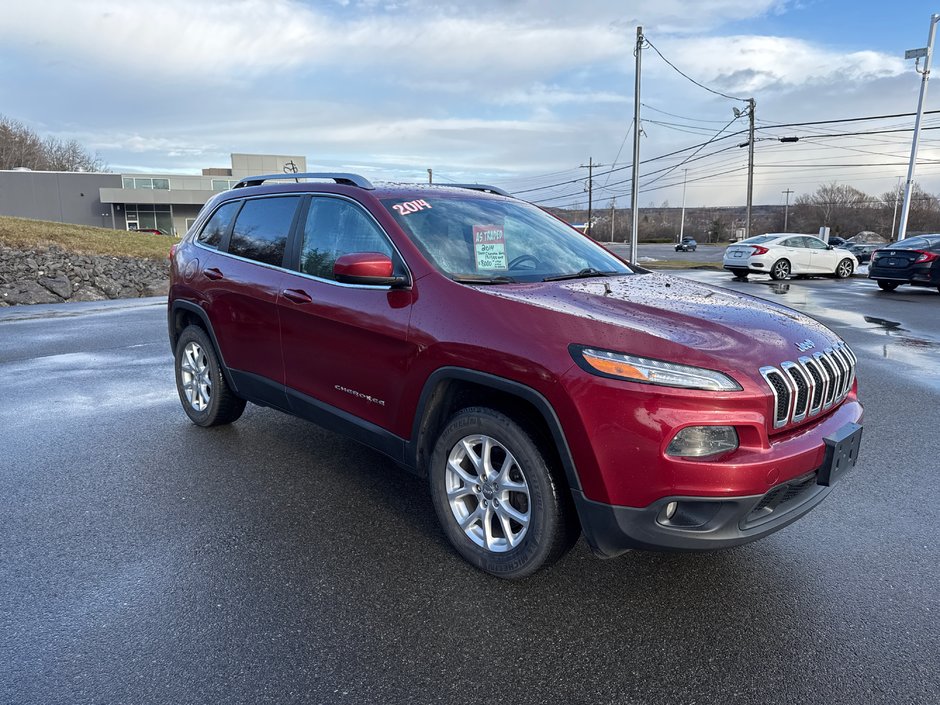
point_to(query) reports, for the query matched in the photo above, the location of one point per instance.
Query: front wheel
(887, 286)
(497, 498)
(780, 270)
(844, 269)
(203, 391)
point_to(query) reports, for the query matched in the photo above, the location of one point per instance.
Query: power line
(689, 78)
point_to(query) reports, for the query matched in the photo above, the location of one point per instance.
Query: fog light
(702, 441)
(670, 511)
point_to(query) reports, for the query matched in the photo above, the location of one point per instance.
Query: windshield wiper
(478, 279)
(583, 274)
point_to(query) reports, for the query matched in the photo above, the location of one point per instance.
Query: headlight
(648, 371)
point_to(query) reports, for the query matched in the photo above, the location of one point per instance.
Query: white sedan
(783, 254)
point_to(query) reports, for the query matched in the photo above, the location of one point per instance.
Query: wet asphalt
(145, 560)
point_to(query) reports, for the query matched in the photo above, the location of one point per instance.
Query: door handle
(298, 296)
(212, 273)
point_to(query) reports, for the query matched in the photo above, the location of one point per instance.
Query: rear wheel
(498, 500)
(780, 270)
(844, 269)
(887, 286)
(204, 393)
(740, 276)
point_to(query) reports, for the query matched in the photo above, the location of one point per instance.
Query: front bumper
(683, 523)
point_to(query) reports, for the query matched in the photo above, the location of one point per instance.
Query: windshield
(495, 241)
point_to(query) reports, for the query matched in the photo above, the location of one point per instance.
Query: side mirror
(372, 268)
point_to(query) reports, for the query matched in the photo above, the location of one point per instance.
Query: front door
(345, 346)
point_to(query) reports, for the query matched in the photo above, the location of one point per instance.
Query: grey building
(166, 202)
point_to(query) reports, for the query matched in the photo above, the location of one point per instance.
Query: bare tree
(22, 147)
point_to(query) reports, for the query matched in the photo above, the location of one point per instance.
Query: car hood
(653, 309)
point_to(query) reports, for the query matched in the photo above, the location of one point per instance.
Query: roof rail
(345, 179)
(481, 187)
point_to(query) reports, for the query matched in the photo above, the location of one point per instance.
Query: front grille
(808, 386)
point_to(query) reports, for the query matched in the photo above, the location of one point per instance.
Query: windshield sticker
(411, 207)
(489, 246)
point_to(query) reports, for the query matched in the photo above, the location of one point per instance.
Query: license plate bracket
(841, 454)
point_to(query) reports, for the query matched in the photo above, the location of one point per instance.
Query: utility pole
(590, 189)
(634, 191)
(897, 197)
(613, 213)
(685, 178)
(786, 208)
(750, 164)
(430, 176)
(917, 54)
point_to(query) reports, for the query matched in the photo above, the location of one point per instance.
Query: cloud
(744, 65)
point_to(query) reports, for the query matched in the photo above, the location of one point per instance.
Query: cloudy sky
(519, 93)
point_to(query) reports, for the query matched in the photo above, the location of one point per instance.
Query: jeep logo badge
(805, 345)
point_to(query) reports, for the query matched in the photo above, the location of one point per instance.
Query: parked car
(783, 254)
(543, 386)
(688, 244)
(914, 261)
(837, 241)
(150, 231)
(863, 252)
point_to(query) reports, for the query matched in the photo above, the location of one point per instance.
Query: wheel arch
(185, 313)
(450, 389)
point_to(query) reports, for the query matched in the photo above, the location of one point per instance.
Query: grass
(25, 234)
(680, 264)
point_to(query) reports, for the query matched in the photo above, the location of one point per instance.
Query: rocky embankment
(53, 275)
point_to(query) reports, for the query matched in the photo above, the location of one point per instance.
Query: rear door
(795, 250)
(245, 278)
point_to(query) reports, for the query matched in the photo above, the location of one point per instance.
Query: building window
(223, 184)
(146, 216)
(146, 182)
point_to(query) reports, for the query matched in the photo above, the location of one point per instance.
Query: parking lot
(145, 560)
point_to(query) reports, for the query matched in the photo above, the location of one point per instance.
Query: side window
(261, 229)
(334, 228)
(215, 229)
(793, 242)
(815, 244)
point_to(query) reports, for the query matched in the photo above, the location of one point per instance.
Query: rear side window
(218, 225)
(261, 229)
(334, 228)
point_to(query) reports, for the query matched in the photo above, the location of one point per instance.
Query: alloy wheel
(488, 493)
(195, 377)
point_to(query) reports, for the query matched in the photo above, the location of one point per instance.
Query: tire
(780, 270)
(742, 277)
(844, 269)
(203, 391)
(509, 533)
(887, 286)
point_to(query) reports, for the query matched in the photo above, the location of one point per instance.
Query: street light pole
(927, 54)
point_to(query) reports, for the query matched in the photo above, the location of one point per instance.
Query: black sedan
(863, 252)
(914, 261)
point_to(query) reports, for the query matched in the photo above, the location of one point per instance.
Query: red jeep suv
(544, 387)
